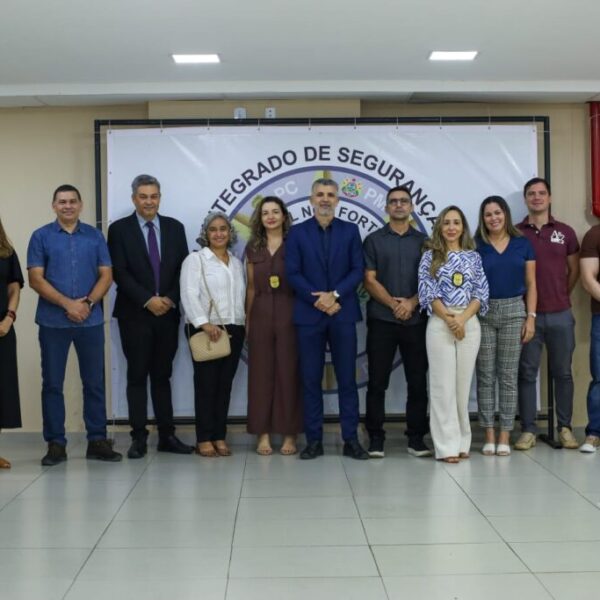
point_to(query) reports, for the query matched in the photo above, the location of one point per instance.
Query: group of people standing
(451, 304)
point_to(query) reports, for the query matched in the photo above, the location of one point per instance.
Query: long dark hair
(258, 233)
(6, 248)
(482, 232)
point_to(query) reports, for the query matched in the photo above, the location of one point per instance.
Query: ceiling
(67, 52)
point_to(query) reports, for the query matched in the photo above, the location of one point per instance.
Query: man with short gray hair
(324, 265)
(147, 250)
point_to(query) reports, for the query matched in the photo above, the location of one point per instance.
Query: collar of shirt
(410, 231)
(58, 227)
(318, 227)
(210, 255)
(142, 222)
(525, 222)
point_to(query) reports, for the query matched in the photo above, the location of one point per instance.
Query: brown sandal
(4, 464)
(449, 459)
(206, 449)
(222, 448)
(263, 447)
(464, 455)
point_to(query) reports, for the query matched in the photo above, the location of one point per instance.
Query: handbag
(202, 347)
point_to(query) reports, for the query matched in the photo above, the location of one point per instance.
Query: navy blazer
(306, 272)
(132, 270)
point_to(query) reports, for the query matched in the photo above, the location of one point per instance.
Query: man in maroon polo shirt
(557, 269)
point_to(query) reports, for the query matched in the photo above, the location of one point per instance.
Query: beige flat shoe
(264, 450)
(206, 449)
(4, 464)
(222, 448)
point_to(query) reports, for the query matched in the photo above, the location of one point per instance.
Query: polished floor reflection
(251, 527)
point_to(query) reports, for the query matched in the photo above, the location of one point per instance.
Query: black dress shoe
(102, 450)
(312, 450)
(138, 449)
(174, 445)
(56, 454)
(353, 449)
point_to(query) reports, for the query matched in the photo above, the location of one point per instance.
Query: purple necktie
(154, 254)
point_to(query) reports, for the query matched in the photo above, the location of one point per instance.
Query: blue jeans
(557, 331)
(593, 396)
(89, 345)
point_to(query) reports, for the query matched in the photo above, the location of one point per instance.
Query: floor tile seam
(112, 520)
(364, 530)
(292, 496)
(341, 577)
(39, 475)
(504, 541)
(235, 519)
(578, 492)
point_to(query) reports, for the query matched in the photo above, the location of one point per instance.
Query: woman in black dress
(11, 282)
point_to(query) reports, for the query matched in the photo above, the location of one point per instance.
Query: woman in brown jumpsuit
(274, 404)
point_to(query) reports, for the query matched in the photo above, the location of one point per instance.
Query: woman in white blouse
(453, 289)
(224, 276)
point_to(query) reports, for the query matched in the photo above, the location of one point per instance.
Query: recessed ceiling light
(439, 55)
(195, 59)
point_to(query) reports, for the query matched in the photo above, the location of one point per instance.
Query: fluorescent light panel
(442, 55)
(195, 59)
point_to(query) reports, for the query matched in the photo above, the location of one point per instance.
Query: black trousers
(383, 338)
(212, 388)
(149, 345)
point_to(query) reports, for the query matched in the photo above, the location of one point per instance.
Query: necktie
(154, 254)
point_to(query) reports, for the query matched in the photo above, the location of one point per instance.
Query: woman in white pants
(453, 289)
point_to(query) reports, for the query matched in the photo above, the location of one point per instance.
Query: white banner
(231, 168)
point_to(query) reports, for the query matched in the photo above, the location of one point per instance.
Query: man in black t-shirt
(395, 321)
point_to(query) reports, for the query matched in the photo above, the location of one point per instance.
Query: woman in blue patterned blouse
(453, 289)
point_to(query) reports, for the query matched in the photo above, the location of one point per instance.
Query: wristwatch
(335, 294)
(89, 302)
(532, 314)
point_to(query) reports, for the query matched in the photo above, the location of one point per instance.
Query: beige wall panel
(40, 148)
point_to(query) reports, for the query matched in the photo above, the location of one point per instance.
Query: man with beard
(324, 265)
(395, 321)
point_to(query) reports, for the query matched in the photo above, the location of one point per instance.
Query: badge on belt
(274, 281)
(457, 279)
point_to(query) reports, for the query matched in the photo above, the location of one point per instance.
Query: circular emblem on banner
(362, 201)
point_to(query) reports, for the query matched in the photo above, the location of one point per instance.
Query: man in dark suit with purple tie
(147, 250)
(324, 265)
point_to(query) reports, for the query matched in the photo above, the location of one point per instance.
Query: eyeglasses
(400, 201)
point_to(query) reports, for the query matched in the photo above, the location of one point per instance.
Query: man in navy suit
(324, 264)
(147, 250)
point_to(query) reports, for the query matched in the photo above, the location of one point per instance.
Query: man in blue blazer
(147, 250)
(324, 264)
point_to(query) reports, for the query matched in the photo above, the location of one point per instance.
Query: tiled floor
(250, 527)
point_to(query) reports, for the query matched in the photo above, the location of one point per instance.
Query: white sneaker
(590, 445)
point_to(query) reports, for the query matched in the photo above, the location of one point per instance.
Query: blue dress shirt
(70, 262)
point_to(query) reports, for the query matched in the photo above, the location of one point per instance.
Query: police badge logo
(457, 279)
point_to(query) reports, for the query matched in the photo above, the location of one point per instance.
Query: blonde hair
(437, 243)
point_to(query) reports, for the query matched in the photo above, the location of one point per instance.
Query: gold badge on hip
(274, 281)
(457, 279)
